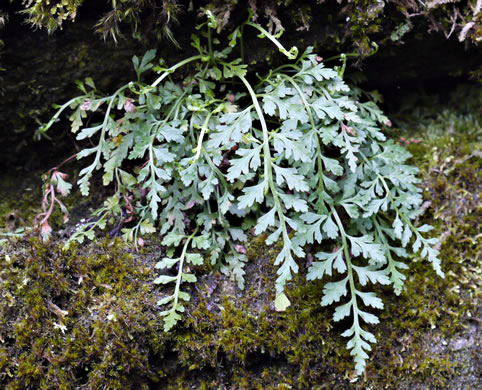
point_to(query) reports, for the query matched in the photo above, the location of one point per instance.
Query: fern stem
(44, 128)
(267, 160)
(392, 201)
(204, 129)
(173, 68)
(351, 279)
(268, 171)
(90, 168)
(181, 264)
(292, 54)
(201, 137)
(391, 266)
(321, 188)
(215, 169)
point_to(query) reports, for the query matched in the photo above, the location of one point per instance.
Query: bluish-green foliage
(206, 156)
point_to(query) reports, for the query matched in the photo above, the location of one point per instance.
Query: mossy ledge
(87, 318)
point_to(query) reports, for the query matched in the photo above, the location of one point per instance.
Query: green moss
(79, 318)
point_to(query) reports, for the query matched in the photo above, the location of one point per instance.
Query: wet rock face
(427, 64)
(41, 70)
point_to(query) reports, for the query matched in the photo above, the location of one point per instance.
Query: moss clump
(86, 318)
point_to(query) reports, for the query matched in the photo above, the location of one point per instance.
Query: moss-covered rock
(87, 318)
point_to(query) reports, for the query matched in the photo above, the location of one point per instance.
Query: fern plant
(297, 155)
